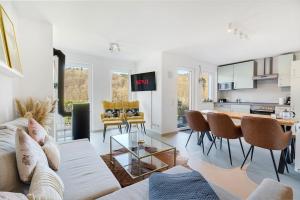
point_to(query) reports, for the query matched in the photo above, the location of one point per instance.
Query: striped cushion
(45, 184)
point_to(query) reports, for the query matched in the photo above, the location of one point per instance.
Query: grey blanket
(184, 186)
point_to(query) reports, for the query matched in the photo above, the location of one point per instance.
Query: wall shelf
(9, 72)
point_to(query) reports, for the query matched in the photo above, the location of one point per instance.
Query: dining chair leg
(144, 128)
(221, 142)
(252, 152)
(104, 132)
(272, 155)
(228, 144)
(250, 149)
(201, 138)
(212, 143)
(242, 147)
(209, 136)
(189, 138)
(285, 160)
(198, 137)
(215, 143)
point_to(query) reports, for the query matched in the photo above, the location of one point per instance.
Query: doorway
(183, 84)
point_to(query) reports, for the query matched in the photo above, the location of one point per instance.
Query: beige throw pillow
(12, 196)
(45, 185)
(36, 131)
(52, 152)
(28, 154)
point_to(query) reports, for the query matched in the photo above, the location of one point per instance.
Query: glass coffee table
(138, 153)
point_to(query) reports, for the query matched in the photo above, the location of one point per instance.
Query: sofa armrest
(270, 189)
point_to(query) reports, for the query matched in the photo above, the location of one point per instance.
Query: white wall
(6, 99)
(172, 62)
(36, 52)
(34, 39)
(99, 80)
(164, 100)
(153, 62)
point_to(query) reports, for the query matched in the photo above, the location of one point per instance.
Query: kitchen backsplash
(267, 91)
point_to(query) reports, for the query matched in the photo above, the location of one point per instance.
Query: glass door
(183, 96)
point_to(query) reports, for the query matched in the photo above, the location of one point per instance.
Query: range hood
(267, 73)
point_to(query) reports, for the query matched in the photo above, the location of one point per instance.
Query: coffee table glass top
(141, 145)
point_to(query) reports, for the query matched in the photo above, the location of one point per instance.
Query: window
(205, 86)
(76, 86)
(183, 96)
(120, 86)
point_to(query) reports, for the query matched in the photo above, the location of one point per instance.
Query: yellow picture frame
(9, 35)
(4, 59)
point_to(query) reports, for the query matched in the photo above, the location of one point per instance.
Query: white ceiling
(194, 28)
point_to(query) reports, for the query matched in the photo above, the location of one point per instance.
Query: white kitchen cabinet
(240, 108)
(284, 70)
(223, 107)
(225, 74)
(243, 75)
(295, 88)
(295, 105)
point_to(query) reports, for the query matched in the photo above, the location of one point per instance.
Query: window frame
(128, 72)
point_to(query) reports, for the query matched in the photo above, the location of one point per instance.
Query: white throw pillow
(36, 131)
(12, 196)
(45, 185)
(28, 154)
(52, 152)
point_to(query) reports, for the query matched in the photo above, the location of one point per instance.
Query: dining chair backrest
(264, 132)
(196, 121)
(221, 125)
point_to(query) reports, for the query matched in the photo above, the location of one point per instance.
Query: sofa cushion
(8, 168)
(140, 190)
(17, 123)
(28, 154)
(270, 189)
(36, 131)
(52, 152)
(45, 184)
(84, 173)
(12, 196)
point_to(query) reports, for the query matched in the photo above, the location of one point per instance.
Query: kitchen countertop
(250, 103)
(239, 116)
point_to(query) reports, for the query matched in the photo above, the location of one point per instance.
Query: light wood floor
(216, 167)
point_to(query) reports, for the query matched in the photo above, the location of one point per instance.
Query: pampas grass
(36, 109)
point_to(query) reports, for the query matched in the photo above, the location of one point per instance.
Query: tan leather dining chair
(265, 133)
(222, 126)
(197, 123)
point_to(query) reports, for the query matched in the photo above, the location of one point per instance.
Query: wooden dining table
(239, 116)
(286, 123)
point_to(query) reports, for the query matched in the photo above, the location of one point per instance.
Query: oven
(262, 109)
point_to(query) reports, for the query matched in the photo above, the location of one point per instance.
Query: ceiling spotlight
(229, 29)
(114, 47)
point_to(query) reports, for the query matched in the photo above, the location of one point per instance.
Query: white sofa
(86, 176)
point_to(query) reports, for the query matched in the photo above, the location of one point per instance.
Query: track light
(236, 31)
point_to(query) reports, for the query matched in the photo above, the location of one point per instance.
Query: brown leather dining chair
(197, 123)
(265, 133)
(222, 126)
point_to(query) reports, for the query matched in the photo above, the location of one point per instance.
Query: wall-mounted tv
(143, 82)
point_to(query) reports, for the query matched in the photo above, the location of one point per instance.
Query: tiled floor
(216, 167)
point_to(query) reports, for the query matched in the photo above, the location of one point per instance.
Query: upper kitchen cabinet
(225, 74)
(243, 75)
(284, 69)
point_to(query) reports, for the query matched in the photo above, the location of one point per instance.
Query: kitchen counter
(249, 103)
(239, 116)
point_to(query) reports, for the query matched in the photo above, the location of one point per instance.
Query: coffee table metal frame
(139, 158)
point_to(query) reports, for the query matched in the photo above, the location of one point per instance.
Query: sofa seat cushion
(84, 173)
(140, 190)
